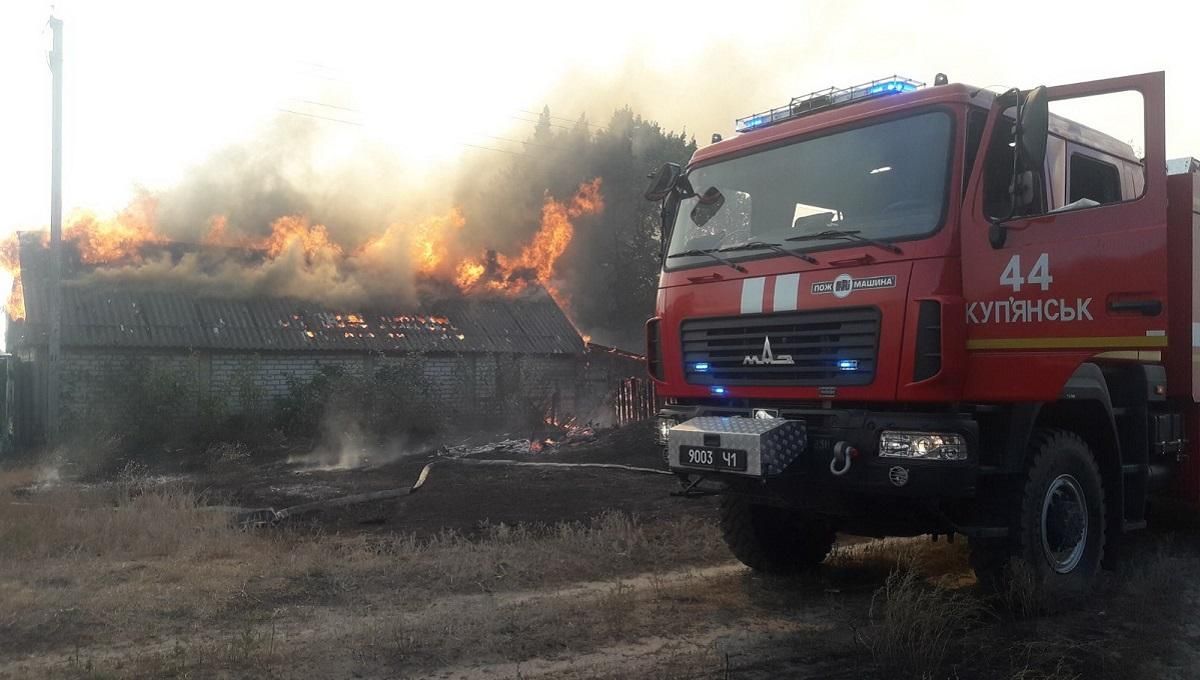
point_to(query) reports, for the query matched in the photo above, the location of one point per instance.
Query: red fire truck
(898, 310)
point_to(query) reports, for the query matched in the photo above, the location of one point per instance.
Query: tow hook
(844, 454)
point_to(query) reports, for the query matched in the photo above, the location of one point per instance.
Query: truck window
(1105, 141)
(885, 180)
(1094, 179)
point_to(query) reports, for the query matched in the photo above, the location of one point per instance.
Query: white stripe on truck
(787, 289)
(752, 295)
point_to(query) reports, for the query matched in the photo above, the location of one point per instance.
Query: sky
(155, 88)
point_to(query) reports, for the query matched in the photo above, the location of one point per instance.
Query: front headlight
(662, 431)
(922, 445)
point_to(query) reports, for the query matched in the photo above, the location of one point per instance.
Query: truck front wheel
(774, 540)
(1059, 528)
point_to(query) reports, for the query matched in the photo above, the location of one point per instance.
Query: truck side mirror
(1029, 158)
(663, 181)
(1035, 127)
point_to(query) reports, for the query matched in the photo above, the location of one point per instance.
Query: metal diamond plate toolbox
(771, 445)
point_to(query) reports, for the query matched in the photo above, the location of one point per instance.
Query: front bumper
(809, 476)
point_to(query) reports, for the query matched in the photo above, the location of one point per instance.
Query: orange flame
(468, 273)
(97, 240)
(293, 231)
(432, 238)
(118, 239)
(541, 255)
(431, 246)
(10, 262)
(218, 231)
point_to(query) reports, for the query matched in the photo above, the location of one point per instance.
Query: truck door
(1081, 268)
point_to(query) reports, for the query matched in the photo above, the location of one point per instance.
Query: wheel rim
(1064, 523)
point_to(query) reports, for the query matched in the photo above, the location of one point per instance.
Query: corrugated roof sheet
(139, 317)
(93, 317)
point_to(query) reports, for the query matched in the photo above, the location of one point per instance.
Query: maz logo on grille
(783, 348)
(768, 358)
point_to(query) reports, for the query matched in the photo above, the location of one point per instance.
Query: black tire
(774, 540)
(1058, 532)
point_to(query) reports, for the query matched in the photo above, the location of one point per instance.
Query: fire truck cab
(896, 310)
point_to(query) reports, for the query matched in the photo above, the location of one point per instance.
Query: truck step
(1134, 469)
(1134, 525)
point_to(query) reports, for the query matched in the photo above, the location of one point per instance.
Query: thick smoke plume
(275, 217)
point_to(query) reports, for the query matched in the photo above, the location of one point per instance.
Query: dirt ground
(519, 573)
(460, 498)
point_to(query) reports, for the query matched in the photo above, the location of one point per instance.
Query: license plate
(712, 458)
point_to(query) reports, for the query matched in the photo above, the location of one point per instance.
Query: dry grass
(63, 524)
(137, 578)
(915, 622)
(872, 561)
(140, 578)
(1151, 585)
(568, 626)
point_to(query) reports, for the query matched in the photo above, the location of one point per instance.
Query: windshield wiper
(758, 245)
(712, 253)
(847, 235)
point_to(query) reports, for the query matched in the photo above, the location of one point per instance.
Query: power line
(473, 146)
(538, 122)
(574, 121)
(313, 115)
(490, 148)
(333, 69)
(350, 122)
(356, 123)
(331, 106)
(517, 141)
(516, 116)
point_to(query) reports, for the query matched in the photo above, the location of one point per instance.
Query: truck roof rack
(828, 98)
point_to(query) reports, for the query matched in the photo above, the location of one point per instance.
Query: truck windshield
(885, 181)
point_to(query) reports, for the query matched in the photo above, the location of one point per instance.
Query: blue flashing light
(718, 390)
(754, 121)
(892, 87)
(824, 99)
(848, 364)
(701, 367)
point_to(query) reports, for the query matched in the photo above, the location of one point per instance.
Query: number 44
(1040, 274)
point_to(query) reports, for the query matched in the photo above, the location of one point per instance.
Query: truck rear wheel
(774, 540)
(1058, 534)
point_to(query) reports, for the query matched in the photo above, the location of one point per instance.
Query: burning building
(474, 351)
(224, 323)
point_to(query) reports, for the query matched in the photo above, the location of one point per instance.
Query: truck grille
(827, 347)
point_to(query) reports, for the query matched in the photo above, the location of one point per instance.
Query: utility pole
(55, 288)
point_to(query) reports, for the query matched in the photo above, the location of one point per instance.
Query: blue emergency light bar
(826, 99)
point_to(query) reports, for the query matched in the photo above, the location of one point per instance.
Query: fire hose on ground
(270, 516)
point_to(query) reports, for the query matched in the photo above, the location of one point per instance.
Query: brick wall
(239, 378)
(99, 385)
